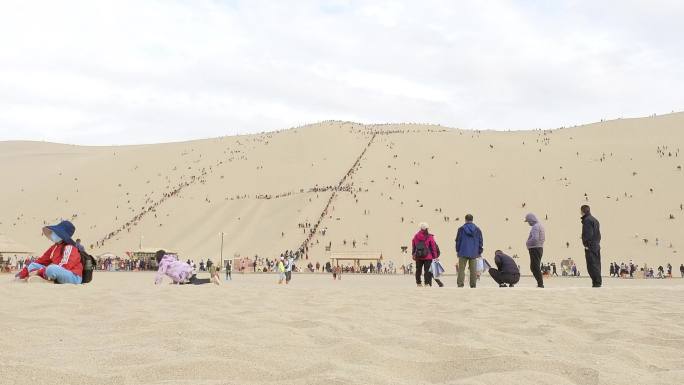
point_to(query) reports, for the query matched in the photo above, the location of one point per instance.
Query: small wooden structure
(356, 257)
(147, 254)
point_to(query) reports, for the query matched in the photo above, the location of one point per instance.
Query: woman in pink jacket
(425, 249)
(179, 272)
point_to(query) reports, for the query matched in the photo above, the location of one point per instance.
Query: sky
(128, 72)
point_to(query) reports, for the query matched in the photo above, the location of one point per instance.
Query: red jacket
(60, 254)
(433, 249)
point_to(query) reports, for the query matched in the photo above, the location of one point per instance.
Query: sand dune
(627, 169)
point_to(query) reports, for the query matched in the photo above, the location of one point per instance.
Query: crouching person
(507, 271)
(179, 272)
(61, 263)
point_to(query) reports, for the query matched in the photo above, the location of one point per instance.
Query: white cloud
(95, 72)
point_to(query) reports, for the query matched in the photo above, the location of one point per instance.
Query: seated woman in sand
(180, 272)
(61, 263)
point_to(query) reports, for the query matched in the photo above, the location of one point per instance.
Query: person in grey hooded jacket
(535, 246)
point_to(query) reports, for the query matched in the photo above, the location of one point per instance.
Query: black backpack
(88, 263)
(421, 249)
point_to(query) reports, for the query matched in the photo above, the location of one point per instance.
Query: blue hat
(64, 230)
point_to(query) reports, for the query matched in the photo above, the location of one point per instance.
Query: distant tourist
(79, 246)
(281, 269)
(681, 269)
(289, 265)
(469, 245)
(591, 239)
(61, 263)
(506, 272)
(214, 274)
(535, 246)
(229, 269)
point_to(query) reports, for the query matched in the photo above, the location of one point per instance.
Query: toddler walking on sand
(214, 275)
(281, 270)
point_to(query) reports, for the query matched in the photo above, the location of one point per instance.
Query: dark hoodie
(469, 241)
(591, 232)
(506, 264)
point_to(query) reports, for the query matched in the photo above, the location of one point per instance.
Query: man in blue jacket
(468, 248)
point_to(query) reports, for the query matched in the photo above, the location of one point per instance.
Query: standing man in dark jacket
(591, 239)
(468, 248)
(507, 271)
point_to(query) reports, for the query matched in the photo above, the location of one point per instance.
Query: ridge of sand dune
(629, 169)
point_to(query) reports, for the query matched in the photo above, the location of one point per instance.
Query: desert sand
(366, 184)
(122, 329)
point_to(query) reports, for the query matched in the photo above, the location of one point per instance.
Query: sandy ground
(121, 329)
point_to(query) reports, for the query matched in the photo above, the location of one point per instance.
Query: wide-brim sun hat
(424, 226)
(65, 230)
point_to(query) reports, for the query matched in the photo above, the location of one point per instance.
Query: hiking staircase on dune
(326, 210)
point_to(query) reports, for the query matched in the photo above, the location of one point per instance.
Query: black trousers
(593, 257)
(423, 268)
(535, 264)
(500, 278)
(198, 281)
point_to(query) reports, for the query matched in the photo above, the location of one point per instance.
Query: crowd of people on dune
(151, 208)
(666, 152)
(327, 209)
(340, 187)
(316, 189)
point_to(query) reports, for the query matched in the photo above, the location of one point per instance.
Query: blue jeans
(56, 273)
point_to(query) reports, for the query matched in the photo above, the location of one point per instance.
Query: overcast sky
(121, 72)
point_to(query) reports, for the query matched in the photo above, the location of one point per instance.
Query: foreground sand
(121, 329)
